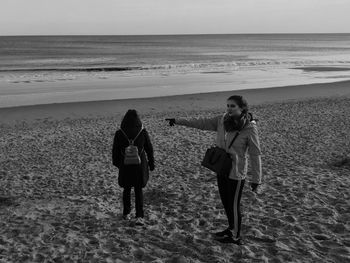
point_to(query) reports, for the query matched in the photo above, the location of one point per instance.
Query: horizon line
(185, 34)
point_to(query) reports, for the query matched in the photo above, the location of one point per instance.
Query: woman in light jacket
(235, 120)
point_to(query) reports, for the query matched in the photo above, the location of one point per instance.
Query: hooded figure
(134, 175)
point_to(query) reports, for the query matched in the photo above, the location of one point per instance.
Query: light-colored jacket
(246, 143)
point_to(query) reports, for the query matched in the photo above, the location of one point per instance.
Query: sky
(153, 17)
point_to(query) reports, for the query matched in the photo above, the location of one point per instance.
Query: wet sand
(201, 101)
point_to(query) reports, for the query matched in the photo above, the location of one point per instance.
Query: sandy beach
(64, 203)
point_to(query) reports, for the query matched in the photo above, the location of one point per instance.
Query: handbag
(218, 160)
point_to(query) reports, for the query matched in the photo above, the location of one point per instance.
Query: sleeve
(254, 152)
(116, 154)
(208, 124)
(149, 148)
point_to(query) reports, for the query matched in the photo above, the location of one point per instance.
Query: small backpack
(131, 155)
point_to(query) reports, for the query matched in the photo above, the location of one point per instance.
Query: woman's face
(233, 109)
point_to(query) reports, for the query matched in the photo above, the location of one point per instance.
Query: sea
(34, 69)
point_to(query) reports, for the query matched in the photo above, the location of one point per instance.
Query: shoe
(139, 221)
(127, 217)
(231, 240)
(227, 232)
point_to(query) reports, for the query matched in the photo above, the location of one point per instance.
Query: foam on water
(241, 60)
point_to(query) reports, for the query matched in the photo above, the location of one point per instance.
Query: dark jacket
(132, 175)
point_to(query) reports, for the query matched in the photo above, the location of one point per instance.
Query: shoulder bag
(218, 160)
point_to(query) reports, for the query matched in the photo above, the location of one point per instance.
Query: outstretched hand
(171, 121)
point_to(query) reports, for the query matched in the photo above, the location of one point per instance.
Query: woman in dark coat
(134, 175)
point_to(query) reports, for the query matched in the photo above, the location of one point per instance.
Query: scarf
(235, 123)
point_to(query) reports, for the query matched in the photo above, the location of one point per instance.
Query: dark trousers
(138, 200)
(230, 194)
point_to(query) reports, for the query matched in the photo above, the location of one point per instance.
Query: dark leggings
(138, 200)
(230, 194)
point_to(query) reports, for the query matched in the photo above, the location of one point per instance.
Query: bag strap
(131, 142)
(233, 140)
(236, 135)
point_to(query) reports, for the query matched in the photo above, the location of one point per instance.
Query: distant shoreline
(177, 103)
(322, 68)
(139, 68)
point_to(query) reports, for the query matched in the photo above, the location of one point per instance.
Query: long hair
(131, 123)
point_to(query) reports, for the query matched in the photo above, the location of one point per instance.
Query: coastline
(197, 101)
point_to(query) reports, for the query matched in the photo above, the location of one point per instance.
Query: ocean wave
(183, 67)
(58, 69)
